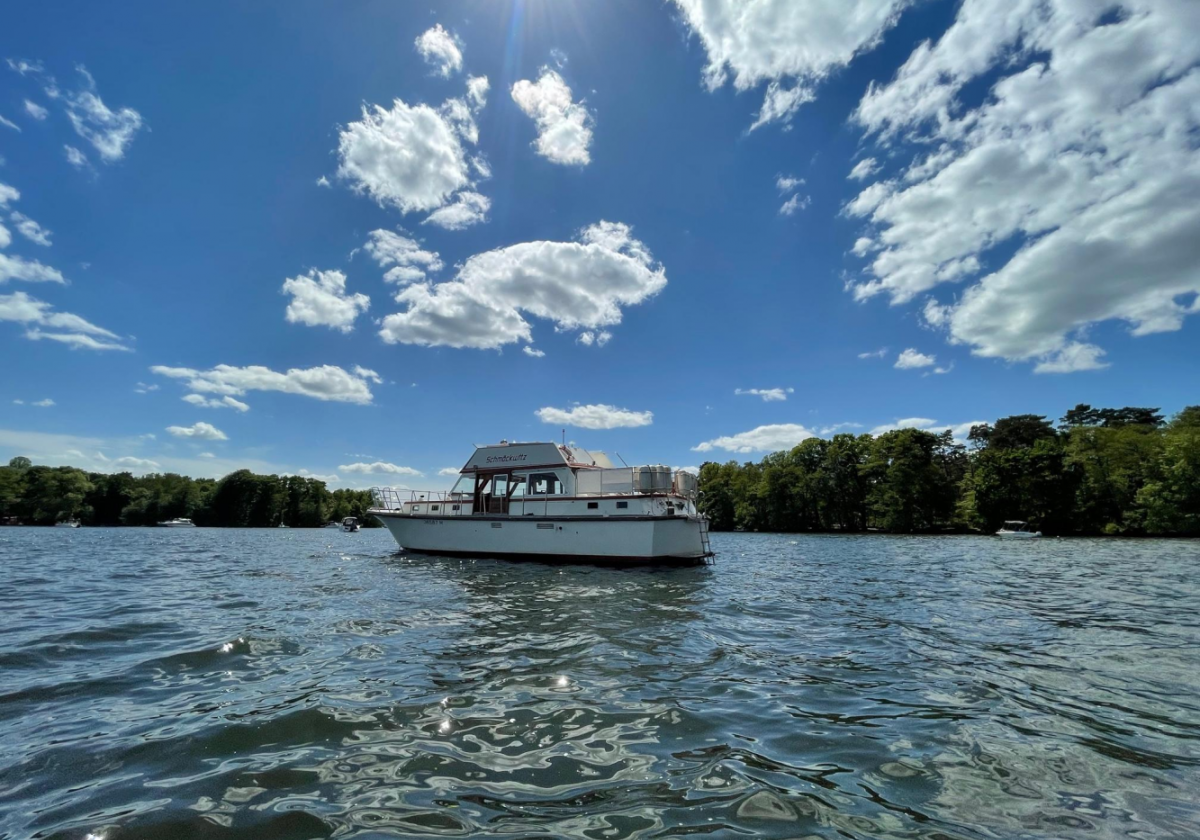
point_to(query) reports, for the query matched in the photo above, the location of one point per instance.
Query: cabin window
(622, 505)
(434, 507)
(593, 505)
(455, 507)
(416, 508)
(544, 484)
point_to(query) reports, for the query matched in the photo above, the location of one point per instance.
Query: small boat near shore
(67, 523)
(178, 522)
(542, 501)
(350, 524)
(1019, 530)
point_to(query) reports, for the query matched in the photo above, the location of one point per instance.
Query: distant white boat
(177, 523)
(337, 525)
(1016, 529)
(67, 523)
(350, 524)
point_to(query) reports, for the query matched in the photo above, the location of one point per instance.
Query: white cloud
(790, 45)
(319, 299)
(131, 462)
(440, 50)
(595, 417)
(477, 91)
(206, 455)
(327, 382)
(378, 468)
(796, 202)
(1071, 357)
(469, 208)
(366, 373)
(829, 431)
(143, 388)
(587, 338)
(767, 394)
(1081, 163)
(449, 471)
(30, 229)
(324, 182)
(787, 183)
(23, 309)
(8, 194)
(7, 123)
(531, 351)
(75, 157)
(198, 431)
(864, 169)
(564, 127)
(46, 403)
(407, 157)
(409, 259)
(207, 402)
(24, 66)
(910, 359)
(874, 354)
(958, 431)
(110, 132)
(74, 340)
(35, 110)
(31, 271)
(577, 285)
(772, 438)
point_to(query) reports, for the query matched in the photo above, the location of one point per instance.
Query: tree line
(41, 495)
(1124, 471)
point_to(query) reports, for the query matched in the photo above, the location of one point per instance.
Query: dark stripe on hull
(501, 517)
(559, 559)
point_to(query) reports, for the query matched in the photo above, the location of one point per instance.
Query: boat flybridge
(543, 501)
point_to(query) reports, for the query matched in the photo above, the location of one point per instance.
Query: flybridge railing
(389, 498)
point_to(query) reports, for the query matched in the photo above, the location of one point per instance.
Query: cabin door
(498, 503)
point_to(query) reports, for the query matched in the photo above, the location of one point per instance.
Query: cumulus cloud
(910, 359)
(143, 388)
(441, 50)
(30, 271)
(864, 169)
(36, 111)
(786, 183)
(1081, 162)
(789, 45)
(319, 299)
(767, 394)
(449, 471)
(576, 285)
(595, 417)
(130, 462)
(33, 313)
(410, 261)
(874, 354)
(958, 431)
(211, 402)
(796, 202)
(564, 127)
(327, 382)
(407, 157)
(198, 431)
(531, 351)
(378, 468)
(469, 208)
(367, 373)
(587, 338)
(30, 229)
(772, 438)
(110, 132)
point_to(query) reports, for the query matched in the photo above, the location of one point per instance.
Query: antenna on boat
(564, 431)
(618, 454)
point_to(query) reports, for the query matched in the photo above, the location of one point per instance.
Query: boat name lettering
(505, 459)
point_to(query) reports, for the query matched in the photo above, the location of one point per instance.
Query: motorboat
(551, 502)
(178, 522)
(67, 523)
(1016, 529)
(350, 524)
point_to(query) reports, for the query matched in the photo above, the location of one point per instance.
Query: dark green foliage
(38, 495)
(1105, 471)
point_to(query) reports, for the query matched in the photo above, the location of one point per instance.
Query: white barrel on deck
(686, 483)
(662, 478)
(643, 479)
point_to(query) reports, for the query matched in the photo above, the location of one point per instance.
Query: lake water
(292, 684)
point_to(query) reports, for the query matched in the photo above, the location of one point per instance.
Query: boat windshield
(1016, 525)
(464, 485)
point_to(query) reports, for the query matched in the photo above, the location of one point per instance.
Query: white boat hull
(648, 539)
(1019, 535)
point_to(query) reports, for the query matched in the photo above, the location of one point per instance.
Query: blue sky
(670, 202)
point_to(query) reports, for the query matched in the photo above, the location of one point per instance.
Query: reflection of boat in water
(67, 523)
(350, 524)
(543, 501)
(178, 522)
(1017, 529)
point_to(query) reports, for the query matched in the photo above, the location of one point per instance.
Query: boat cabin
(548, 479)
